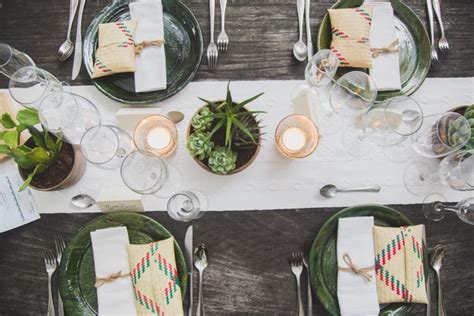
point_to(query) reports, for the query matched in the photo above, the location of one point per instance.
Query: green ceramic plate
(183, 49)
(76, 274)
(414, 46)
(323, 266)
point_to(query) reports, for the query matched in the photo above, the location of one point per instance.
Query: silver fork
(50, 263)
(443, 43)
(212, 52)
(434, 53)
(223, 39)
(60, 246)
(296, 263)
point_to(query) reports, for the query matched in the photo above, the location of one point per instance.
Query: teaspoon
(300, 50)
(66, 48)
(82, 201)
(200, 262)
(330, 190)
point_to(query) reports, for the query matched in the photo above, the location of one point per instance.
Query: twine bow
(363, 272)
(110, 278)
(140, 46)
(392, 48)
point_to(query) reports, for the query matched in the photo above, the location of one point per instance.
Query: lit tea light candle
(156, 134)
(158, 137)
(296, 136)
(294, 139)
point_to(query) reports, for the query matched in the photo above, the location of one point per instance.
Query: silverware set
(301, 51)
(435, 6)
(52, 261)
(222, 39)
(297, 262)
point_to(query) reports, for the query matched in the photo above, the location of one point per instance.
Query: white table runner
(271, 182)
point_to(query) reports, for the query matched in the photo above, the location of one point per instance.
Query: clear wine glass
(456, 171)
(435, 207)
(69, 114)
(106, 145)
(12, 60)
(187, 205)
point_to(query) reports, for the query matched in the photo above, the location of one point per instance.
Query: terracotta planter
(240, 168)
(76, 170)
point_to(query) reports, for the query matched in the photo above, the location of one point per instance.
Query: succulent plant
(202, 120)
(469, 114)
(200, 145)
(240, 138)
(222, 160)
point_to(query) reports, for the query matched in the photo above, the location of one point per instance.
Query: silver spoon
(330, 190)
(300, 50)
(200, 262)
(66, 48)
(82, 201)
(436, 259)
(175, 116)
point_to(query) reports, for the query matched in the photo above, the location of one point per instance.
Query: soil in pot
(57, 172)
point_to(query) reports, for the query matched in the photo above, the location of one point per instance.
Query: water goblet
(187, 205)
(456, 171)
(12, 60)
(435, 207)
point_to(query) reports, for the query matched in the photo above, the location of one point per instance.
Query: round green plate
(183, 50)
(414, 46)
(323, 261)
(76, 274)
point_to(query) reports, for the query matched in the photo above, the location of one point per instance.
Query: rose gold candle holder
(296, 136)
(156, 134)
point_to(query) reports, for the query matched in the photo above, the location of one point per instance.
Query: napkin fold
(385, 69)
(399, 264)
(150, 73)
(109, 247)
(356, 294)
(155, 278)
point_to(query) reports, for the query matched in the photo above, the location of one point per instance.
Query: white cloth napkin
(356, 295)
(110, 256)
(150, 73)
(386, 67)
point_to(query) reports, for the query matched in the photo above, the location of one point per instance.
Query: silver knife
(188, 250)
(428, 293)
(308, 30)
(76, 67)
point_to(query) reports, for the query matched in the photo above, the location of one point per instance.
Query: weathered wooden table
(248, 272)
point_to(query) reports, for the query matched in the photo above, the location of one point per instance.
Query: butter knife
(76, 67)
(188, 250)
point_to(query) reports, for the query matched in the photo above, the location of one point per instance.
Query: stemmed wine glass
(12, 60)
(187, 205)
(435, 207)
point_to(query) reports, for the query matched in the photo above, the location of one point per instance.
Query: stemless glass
(106, 145)
(435, 207)
(147, 173)
(12, 60)
(69, 114)
(457, 170)
(187, 205)
(30, 85)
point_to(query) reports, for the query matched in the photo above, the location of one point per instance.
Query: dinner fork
(212, 52)
(434, 53)
(60, 246)
(223, 39)
(296, 263)
(50, 263)
(443, 43)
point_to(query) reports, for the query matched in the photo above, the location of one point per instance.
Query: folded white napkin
(386, 67)
(150, 73)
(110, 256)
(356, 295)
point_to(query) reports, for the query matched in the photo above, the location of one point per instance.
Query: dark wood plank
(248, 272)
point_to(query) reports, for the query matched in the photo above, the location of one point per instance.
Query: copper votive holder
(156, 134)
(296, 136)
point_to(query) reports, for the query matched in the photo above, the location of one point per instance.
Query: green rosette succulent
(200, 145)
(222, 160)
(202, 120)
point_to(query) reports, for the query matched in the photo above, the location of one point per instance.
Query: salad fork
(60, 246)
(434, 53)
(50, 263)
(212, 52)
(296, 263)
(223, 39)
(443, 43)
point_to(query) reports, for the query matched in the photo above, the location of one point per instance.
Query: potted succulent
(45, 162)
(224, 137)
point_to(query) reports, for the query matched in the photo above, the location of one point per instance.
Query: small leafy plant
(36, 159)
(239, 127)
(469, 115)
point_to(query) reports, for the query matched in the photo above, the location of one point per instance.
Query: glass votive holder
(296, 136)
(156, 134)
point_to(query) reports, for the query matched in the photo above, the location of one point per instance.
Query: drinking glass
(441, 135)
(321, 68)
(106, 145)
(457, 170)
(296, 136)
(147, 173)
(12, 60)
(30, 85)
(435, 207)
(69, 114)
(187, 205)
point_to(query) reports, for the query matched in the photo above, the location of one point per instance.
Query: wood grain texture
(248, 272)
